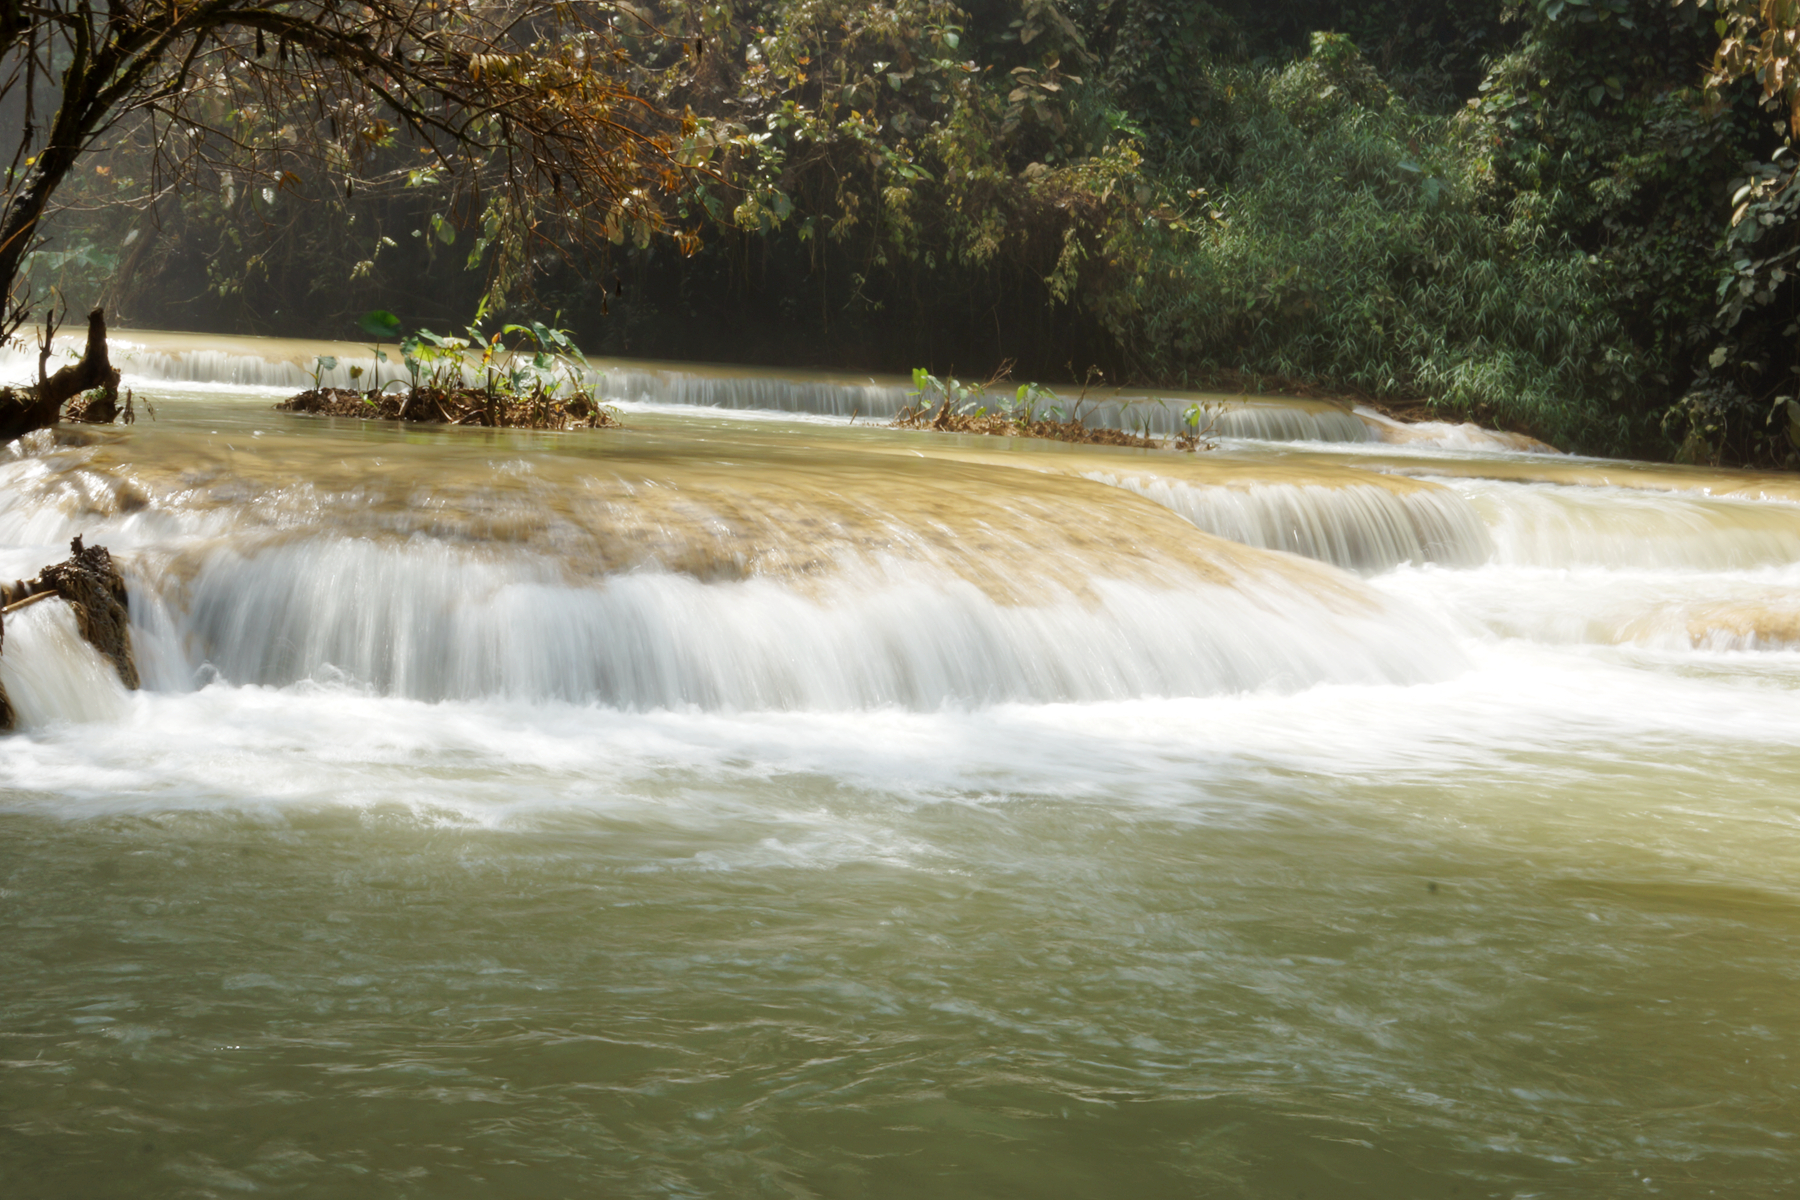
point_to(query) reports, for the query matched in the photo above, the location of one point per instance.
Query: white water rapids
(748, 801)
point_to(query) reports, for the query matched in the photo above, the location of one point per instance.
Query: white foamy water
(51, 675)
(1362, 528)
(1562, 526)
(430, 624)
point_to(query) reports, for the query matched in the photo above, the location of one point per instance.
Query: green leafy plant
(952, 407)
(541, 382)
(322, 364)
(382, 326)
(1032, 398)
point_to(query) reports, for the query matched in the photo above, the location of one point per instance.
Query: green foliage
(1028, 404)
(82, 270)
(952, 407)
(1032, 401)
(1514, 213)
(380, 324)
(543, 364)
(1350, 244)
(1741, 406)
(1212, 217)
(1599, 137)
(541, 382)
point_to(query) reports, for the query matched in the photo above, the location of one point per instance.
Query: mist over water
(729, 805)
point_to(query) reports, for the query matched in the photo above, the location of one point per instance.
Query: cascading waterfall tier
(1367, 527)
(1770, 621)
(430, 623)
(640, 810)
(778, 578)
(1552, 525)
(1666, 569)
(51, 673)
(1361, 520)
(149, 356)
(619, 382)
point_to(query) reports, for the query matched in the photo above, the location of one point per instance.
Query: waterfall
(52, 675)
(1561, 526)
(1367, 528)
(156, 357)
(432, 623)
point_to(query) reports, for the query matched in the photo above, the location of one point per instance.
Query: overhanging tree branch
(538, 83)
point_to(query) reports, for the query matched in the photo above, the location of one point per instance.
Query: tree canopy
(1575, 218)
(515, 100)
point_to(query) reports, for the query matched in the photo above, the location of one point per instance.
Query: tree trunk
(25, 409)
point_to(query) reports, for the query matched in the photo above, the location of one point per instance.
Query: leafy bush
(1177, 191)
(542, 382)
(1301, 222)
(1350, 244)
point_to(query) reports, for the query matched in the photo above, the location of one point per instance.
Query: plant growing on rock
(949, 406)
(539, 383)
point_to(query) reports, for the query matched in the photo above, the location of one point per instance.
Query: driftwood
(95, 593)
(27, 408)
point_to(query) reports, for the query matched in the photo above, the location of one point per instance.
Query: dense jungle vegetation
(1573, 218)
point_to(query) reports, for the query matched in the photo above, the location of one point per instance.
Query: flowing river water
(749, 802)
